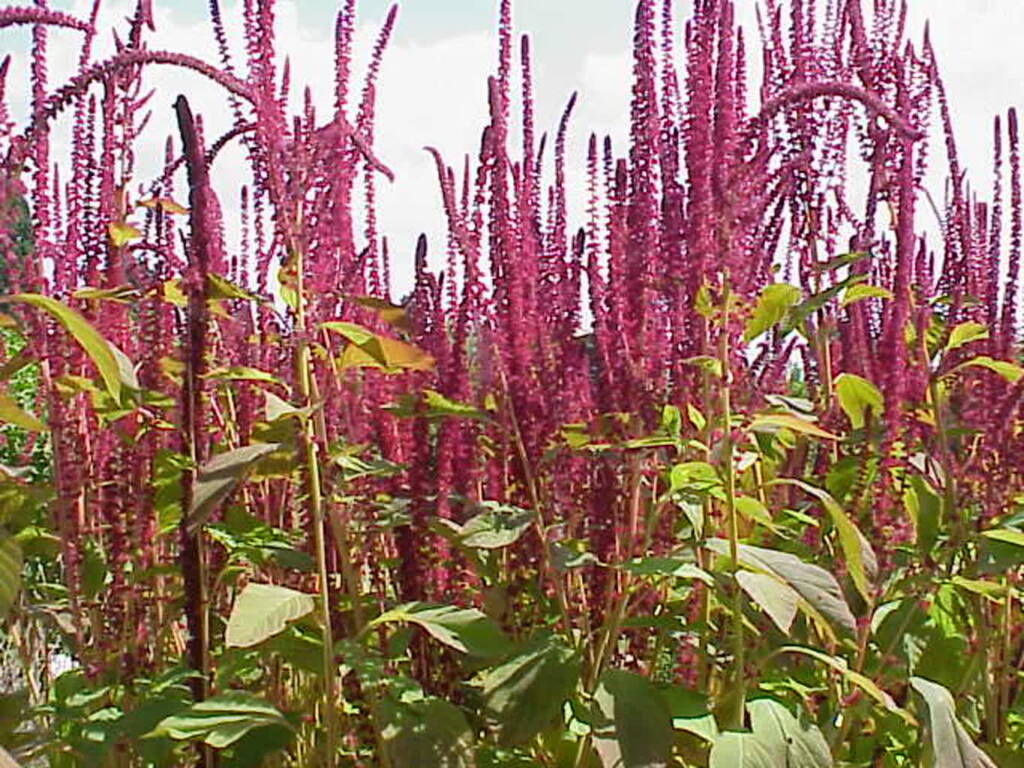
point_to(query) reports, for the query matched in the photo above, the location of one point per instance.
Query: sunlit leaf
(1009, 371)
(525, 694)
(633, 724)
(372, 350)
(165, 204)
(773, 421)
(856, 396)
(947, 743)
(12, 413)
(772, 305)
(393, 315)
(777, 738)
(10, 571)
(862, 291)
(965, 333)
(263, 610)
(776, 598)
(222, 720)
(219, 476)
(121, 233)
(859, 554)
(821, 595)
(464, 629)
(97, 347)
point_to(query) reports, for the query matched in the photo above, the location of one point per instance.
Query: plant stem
(312, 446)
(734, 715)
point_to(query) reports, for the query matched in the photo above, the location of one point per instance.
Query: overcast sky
(433, 84)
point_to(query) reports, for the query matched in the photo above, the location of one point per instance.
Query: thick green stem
(737, 696)
(305, 377)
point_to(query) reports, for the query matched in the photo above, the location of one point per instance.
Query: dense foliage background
(725, 475)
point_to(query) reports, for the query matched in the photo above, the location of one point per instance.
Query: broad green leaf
(861, 291)
(219, 476)
(668, 566)
(860, 557)
(691, 712)
(121, 233)
(496, 526)
(1005, 535)
(946, 742)
(431, 404)
(863, 682)
(965, 333)
(165, 204)
(819, 590)
(777, 739)
(367, 349)
(393, 315)
(772, 305)
(770, 422)
(10, 571)
(987, 589)
(842, 260)
(220, 288)
(121, 294)
(12, 413)
(633, 724)
(464, 629)
(425, 731)
(1009, 371)
(752, 509)
(525, 694)
(776, 598)
(220, 721)
(243, 373)
(856, 396)
(98, 348)
(263, 610)
(925, 509)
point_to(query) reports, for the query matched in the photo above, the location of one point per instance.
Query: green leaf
(776, 598)
(946, 742)
(219, 476)
(668, 566)
(772, 305)
(95, 346)
(220, 721)
(633, 724)
(243, 373)
(860, 557)
(496, 526)
(220, 288)
(965, 333)
(368, 350)
(856, 396)
(819, 590)
(777, 739)
(393, 315)
(842, 260)
(11, 413)
(425, 731)
(121, 233)
(525, 694)
(1005, 535)
(431, 404)
(861, 291)
(1009, 371)
(10, 572)
(464, 629)
(772, 422)
(863, 682)
(263, 610)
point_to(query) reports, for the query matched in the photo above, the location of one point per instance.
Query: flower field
(725, 474)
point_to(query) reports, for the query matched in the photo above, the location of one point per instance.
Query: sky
(432, 89)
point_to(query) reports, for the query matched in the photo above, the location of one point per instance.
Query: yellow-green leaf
(773, 304)
(862, 291)
(856, 396)
(1009, 371)
(121, 233)
(771, 421)
(97, 347)
(12, 413)
(965, 333)
(165, 204)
